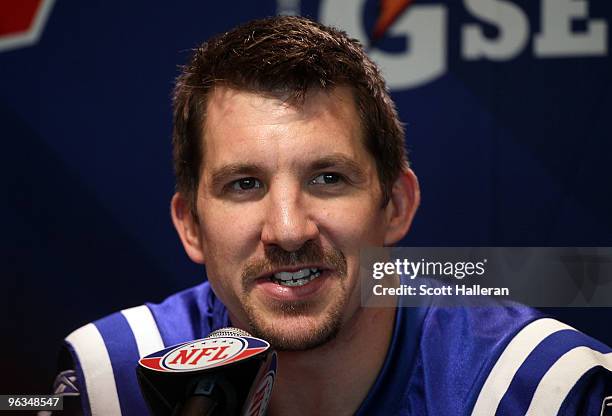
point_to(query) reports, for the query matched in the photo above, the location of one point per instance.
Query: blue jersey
(497, 360)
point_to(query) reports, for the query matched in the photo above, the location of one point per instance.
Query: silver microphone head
(229, 332)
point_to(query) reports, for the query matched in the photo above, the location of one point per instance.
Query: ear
(404, 201)
(187, 227)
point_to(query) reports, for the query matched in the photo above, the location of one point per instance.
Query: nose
(288, 223)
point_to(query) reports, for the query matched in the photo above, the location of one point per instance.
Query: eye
(245, 184)
(327, 178)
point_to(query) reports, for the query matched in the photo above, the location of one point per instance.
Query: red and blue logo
(257, 403)
(204, 353)
(22, 22)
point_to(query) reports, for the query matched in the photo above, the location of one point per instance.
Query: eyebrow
(219, 177)
(353, 168)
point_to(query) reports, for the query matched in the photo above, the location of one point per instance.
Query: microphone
(229, 372)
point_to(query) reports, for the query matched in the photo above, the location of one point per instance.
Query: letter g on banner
(424, 27)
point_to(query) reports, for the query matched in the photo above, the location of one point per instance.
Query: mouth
(295, 277)
(304, 282)
(298, 278)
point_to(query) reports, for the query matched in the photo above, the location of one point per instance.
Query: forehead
(247, 125)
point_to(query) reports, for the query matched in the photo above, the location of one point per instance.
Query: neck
(335, 378)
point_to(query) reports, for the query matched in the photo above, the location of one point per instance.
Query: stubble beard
(298, 326)
(304, 335)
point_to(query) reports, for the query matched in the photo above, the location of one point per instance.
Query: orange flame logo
(390, 10)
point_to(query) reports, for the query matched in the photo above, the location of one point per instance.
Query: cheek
(228, 240)
(354, 225)
(228, 232)
(222, 242)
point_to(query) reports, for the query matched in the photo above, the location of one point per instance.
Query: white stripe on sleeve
(510, 361)
(562, 376)
(97, 370)
(144, 328)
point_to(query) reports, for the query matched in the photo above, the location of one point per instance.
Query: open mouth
(297, 278)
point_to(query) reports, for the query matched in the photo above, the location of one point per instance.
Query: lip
(292, 293)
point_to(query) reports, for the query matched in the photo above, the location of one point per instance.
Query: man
(290, 160)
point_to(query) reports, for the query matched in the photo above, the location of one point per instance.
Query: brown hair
(284, 54)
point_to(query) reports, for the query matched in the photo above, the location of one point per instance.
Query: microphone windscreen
(229, 332)
(241, 367)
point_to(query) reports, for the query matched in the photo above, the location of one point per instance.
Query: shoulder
(511, 359)
(105, 352)
(547, 368)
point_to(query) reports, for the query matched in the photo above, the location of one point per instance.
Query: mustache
(310, 253)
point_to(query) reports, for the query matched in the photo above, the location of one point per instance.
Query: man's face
(288, 195)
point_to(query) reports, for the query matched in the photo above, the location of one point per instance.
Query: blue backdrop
(508, 127)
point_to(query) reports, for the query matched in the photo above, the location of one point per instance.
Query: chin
(292, 328)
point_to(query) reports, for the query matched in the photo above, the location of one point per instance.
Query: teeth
(299, 278)
(294, 283)
(300, 274)
(284, 276)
